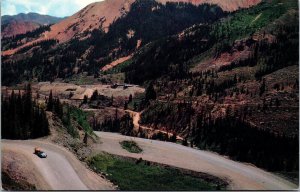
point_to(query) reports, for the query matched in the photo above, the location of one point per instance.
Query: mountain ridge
(32, 17)
(22, 23)
(103, 14)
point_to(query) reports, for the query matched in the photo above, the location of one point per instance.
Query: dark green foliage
(171, 57)
(131, 146)
(173, 138)
(279, 54)
(184, 142)
(150, 93)
(54, 105)
(132, 176)
(81, 118)
(66, 120)
(248, 21)
(237, 139)
(58, 108)
(85, 99)
(73, 117)
(160, 136)
(262, 87)
(174, 117)
(229, 135)
(270, 57)
(45, 44)
(50, 102)
(123, 125)
(68, 113)
(130, 98)
(168, 57)
(22, 118)
(138, 103)
(94, 95)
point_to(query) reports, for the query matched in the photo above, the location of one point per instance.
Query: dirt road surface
(61, 170)
(239, 175)
(136, 116)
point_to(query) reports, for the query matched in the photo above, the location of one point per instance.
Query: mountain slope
(22, 23)
(226, 5)
(101, 15)
(239, 95)
(139, 26)
(15, 27)
(93, 16)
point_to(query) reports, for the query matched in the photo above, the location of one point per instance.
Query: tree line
(230, 134)
(123, 125)
(236, 138)
(22, 118)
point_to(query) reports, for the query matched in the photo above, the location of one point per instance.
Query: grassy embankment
(140, 175)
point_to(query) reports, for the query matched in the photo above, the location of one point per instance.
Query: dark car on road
(40, 153)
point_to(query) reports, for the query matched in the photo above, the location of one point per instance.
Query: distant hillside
(31, 17)
(146, 21)
(22, 23)
(100, 15)
(226, 5)
(103, 14)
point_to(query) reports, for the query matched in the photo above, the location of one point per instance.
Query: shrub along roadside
(131, 146)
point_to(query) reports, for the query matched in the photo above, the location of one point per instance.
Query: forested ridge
(230, 134)
(140, 23)
(172, 57)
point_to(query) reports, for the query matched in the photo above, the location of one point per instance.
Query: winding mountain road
(240, 176)
(61, 170)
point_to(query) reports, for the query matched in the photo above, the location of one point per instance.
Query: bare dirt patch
(116, 62)
(63, 90)
(18, 167)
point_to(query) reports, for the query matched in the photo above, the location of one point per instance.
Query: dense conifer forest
(22, 118)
